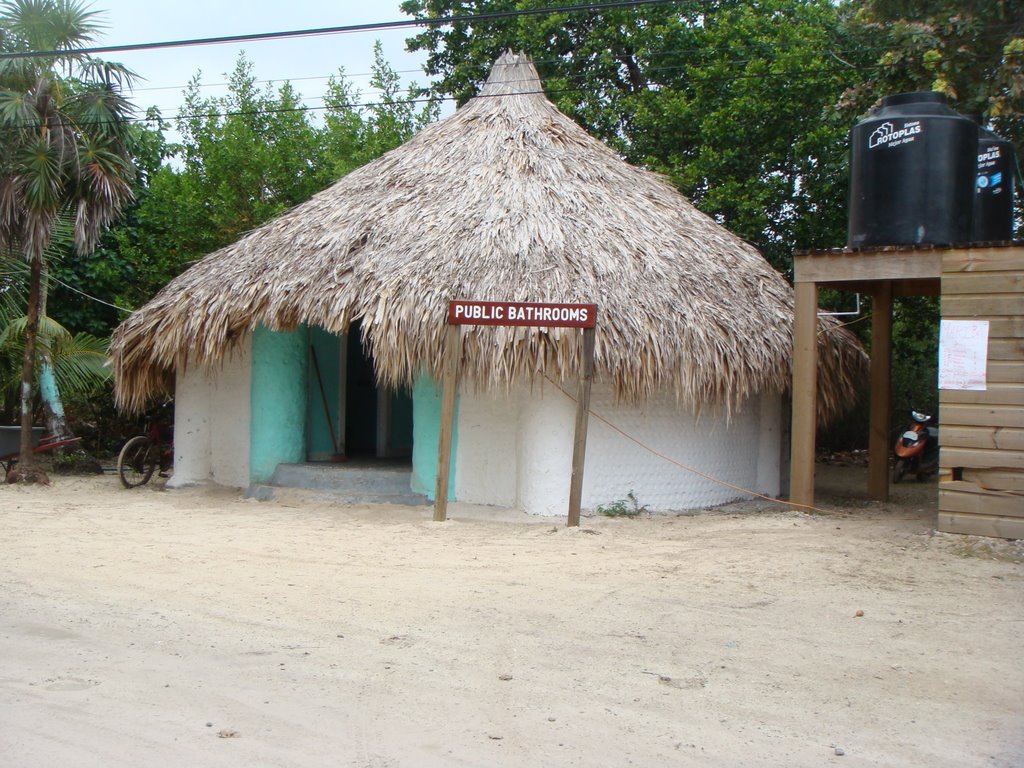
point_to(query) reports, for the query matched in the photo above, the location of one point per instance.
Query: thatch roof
(508, 199)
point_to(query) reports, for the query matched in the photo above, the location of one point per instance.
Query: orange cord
(693, 470)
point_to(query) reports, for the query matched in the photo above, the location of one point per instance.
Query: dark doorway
(378, 420)
(360, 398)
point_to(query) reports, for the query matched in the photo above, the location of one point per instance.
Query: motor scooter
(917, 449)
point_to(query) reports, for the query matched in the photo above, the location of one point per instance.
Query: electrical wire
(272, 80)
(83, 293)
(497, 15)
(435, 99)
(686, 467)
(345, 29)
(647, 58)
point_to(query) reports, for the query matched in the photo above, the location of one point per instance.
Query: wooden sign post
(579, 447)
(516, 314)
(452, 358)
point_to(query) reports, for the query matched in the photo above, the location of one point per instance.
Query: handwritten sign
(963, 354)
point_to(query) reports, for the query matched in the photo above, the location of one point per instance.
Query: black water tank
(993, 193)
(913, 164)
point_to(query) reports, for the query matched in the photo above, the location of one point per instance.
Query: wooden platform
(981, 488)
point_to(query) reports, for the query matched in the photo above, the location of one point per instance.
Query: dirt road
(197, 628)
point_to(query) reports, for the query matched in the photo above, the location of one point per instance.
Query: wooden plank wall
(981, 433)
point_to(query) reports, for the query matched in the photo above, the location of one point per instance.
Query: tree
(731, 100)
(244, 158)
(744, 106)
(128, 265)
(62, 133)
(971, 51)
(80, 362)
(393, 117)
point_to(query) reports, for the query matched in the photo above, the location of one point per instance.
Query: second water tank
(993, 195)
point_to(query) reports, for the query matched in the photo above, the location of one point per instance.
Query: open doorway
(349, 415)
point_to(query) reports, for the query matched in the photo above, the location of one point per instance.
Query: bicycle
(142, 454)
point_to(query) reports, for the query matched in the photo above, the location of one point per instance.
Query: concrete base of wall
(369, 483)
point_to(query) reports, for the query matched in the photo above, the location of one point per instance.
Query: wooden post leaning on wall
(805, 391)
(452, 359)
(579, 448)
(881, 392)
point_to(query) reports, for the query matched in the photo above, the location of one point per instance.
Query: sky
(306, 62)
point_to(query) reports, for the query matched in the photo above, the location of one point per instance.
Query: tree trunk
(56, 422)
(26, 456)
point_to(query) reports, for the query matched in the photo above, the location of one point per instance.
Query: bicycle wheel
(137, 462)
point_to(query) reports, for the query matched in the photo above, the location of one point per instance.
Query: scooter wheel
(899, 470)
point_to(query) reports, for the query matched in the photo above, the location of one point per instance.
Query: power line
(273, 80)
(647, 69)
(346, 29)
(83, 293)
(648, 60)
(806, 75)
(441, 99)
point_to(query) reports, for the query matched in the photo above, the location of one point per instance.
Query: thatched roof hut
(507, 199)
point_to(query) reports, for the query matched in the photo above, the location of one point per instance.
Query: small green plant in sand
(627, 507)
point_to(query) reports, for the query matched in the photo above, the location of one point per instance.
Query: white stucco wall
(487, 476)
(191, 428)
(546, 424)
(520, 447)
(232, 415)
(769, 452)
(212, 420)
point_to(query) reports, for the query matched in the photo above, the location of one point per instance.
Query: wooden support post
(452, 359)
(805, 390)
(579, 449)
(881, 392)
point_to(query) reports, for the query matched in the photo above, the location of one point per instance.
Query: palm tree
(78, 364)
(63, 131)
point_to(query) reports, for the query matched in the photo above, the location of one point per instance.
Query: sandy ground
(193, 627)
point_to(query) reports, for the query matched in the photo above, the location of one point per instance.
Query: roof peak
(512, 74)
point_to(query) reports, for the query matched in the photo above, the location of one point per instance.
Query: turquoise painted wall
(426, 421)
(277, 400)
(328, 354)
(401, 422)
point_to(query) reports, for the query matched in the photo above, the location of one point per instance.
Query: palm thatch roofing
(507, 200)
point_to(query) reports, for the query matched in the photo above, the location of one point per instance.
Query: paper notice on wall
(963, 354)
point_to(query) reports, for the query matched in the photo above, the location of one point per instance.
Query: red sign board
(522, 313)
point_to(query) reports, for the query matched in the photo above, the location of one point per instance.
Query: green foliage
(731, 101)
(915, 357)
(62, 126)
(970, 51)
(63, 153)
(243, 159)
(393, 118)
(744, 106)
(973, 52)
(80, 362)
(627, 507)
(914, 371)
